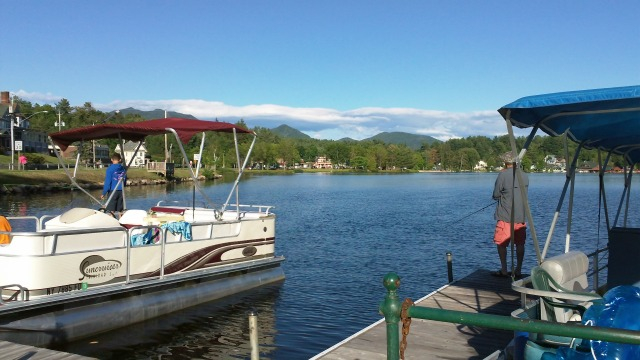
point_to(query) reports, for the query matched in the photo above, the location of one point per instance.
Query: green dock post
(391, 308)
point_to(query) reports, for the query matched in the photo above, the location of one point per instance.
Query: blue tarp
(606, 119)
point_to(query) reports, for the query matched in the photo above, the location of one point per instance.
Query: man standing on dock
(510, 209)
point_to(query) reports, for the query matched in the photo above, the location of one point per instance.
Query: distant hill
(348, 139)
(412, 141)
(289, 132)
(154, 114)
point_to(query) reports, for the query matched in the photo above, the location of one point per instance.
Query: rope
(513, 217)
(406, 325)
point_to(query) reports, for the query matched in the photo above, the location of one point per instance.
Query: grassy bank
(83, 176)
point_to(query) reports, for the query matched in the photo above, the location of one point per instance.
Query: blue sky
(333, 69)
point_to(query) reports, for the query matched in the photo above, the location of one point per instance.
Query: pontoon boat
(84, 272)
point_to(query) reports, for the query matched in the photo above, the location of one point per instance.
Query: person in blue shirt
(112, 184)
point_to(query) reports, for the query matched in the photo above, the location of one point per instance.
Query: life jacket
(4, 226)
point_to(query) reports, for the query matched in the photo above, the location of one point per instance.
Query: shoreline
(25, 189)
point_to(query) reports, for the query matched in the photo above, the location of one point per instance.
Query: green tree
(288, 152)
(359, 163)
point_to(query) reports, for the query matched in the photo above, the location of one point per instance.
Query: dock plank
(9, 350)
(478, 292)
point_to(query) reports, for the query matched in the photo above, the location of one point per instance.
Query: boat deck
(478, 292)
(9, 350)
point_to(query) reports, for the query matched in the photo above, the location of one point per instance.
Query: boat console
(81, 218)
(624, 247)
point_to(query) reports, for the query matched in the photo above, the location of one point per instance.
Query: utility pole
(166, 154)
(12, 139)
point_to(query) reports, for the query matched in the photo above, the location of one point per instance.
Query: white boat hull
(62, 318)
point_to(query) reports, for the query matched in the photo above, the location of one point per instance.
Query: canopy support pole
(75, 168)
(193, 190)
(569, 174)
(66, 171)
(626, 212)
(625, 195)
(523, 191)
(567, 241)
(184, 155)
(240, 172)
(603, 195)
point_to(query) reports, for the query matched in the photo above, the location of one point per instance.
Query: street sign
(196, 157)
(18, 145)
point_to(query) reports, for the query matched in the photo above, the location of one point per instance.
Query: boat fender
(4, 226)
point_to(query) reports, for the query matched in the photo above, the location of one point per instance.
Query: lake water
(340, 235)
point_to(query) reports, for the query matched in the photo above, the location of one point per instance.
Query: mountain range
(155, 114)
(413, 141)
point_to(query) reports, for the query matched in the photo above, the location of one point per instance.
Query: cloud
(36, 97)
(323, 123)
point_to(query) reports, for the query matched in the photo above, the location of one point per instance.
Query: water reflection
(216, 330)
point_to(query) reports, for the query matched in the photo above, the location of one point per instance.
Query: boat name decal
(95, 267)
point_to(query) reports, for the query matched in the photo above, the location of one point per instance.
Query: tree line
(271, 150)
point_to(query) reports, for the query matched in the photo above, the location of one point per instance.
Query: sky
(329, 68)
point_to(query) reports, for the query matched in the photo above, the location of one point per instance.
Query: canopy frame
(182, 129)
(604, 119)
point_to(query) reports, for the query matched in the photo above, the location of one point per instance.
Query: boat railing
(37, 222)
(596, 270)
(262, 209)
(58, 233)
(239, 208)
(130, 233)
(179, 203)
(22, 291)
(394, 311)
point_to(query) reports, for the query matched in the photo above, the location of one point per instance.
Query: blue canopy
(606, 119)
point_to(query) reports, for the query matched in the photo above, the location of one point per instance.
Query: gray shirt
(503, 192)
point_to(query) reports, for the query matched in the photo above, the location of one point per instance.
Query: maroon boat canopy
(137, 131)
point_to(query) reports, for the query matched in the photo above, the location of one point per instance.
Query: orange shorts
(502, 235)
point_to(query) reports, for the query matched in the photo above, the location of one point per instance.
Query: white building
(129, 149)
(480, 166)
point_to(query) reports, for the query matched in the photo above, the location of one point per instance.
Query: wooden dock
(9, 350)
(479, 292)
(161, 167)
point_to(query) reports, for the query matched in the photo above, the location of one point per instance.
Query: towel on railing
(145, 239)
(178, 227)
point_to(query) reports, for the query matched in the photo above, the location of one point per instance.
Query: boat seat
(564, 274)
(569, 270)
(553, 308)
(166, 209)
(132, 218)
(557, 307)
